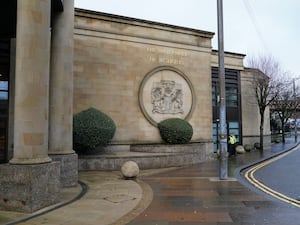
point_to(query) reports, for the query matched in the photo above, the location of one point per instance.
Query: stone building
(122, 63)
(55, 63)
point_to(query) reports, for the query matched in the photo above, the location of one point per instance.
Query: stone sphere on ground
(240, 149)
(257, 145)
(130, 169)
(248, 148)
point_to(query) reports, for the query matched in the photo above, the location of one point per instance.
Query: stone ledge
(165, 148)
(144, 160)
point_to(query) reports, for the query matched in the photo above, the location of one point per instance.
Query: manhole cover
(119, 198)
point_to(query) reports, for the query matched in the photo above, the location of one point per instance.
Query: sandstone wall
(114, 54)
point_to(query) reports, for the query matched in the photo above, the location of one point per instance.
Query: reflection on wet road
(278, 177)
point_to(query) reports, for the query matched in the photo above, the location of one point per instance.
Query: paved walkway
(175, 196)
(195, 195)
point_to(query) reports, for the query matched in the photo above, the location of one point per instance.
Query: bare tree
(265, 85)
(284, 106)
(286, 102)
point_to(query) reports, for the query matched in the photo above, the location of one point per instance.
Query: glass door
(232, 128)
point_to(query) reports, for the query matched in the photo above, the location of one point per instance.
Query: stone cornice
(141, 22)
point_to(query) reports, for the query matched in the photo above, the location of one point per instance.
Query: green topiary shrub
(175, 131)
(91, 128)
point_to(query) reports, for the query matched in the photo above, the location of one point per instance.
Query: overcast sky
(251, 27)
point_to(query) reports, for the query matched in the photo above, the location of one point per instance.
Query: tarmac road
(281, 175)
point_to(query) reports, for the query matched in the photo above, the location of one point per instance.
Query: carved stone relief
(165, 93)
(166, 97)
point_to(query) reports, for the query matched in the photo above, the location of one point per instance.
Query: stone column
(31, 181)
(61, 94)
(32, 82)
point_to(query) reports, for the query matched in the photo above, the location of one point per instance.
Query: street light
(223, 167)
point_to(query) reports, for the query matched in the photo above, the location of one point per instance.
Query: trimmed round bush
(92, 128)
(175, 131)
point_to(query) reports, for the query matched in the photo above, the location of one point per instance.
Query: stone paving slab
(185, 197)
(109, 198)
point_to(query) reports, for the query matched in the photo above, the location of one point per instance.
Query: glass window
(215, 93)
(3, 95)
(4, 85)
(216, 131)
(231, 96)
(3, 90)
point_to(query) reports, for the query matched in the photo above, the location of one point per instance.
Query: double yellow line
(249, 175)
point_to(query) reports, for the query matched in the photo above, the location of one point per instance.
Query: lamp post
(223, 166)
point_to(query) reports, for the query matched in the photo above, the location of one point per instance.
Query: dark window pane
(3, 95)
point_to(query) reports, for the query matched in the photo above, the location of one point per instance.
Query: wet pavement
(195, 195)
(184, 198)
(190, 195)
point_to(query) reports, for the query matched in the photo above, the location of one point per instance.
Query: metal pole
(295, 128)
(223, 167)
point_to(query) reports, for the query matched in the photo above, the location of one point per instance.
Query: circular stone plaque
(166, 92)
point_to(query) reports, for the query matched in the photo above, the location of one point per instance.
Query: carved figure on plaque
(167, 97)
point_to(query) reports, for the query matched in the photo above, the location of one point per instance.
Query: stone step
(145, 160)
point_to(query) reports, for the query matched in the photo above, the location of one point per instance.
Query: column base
(21, 161)
(68, 169)
(27, 188)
